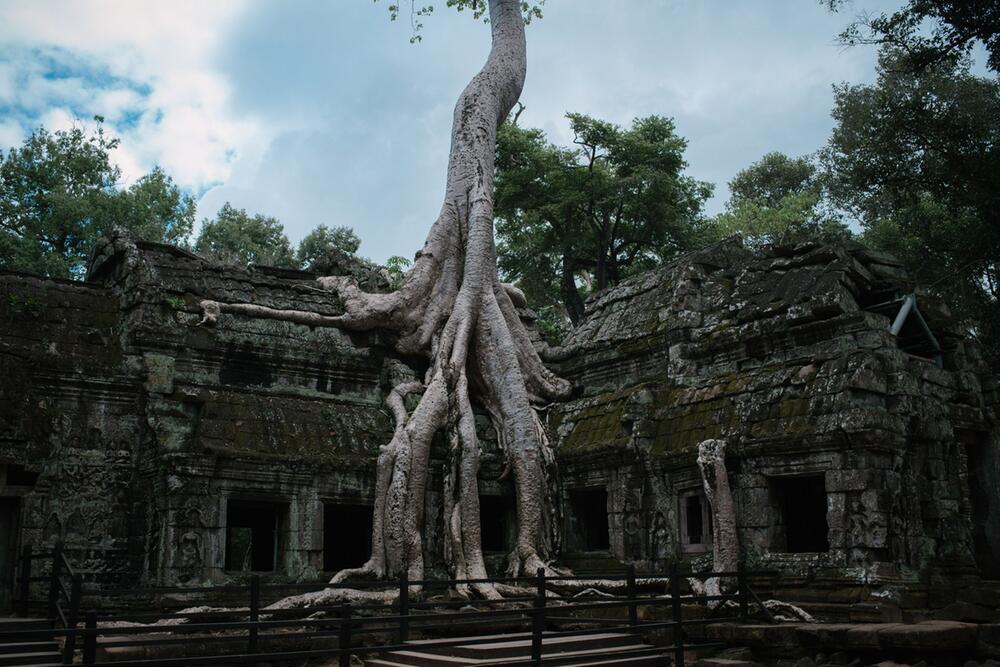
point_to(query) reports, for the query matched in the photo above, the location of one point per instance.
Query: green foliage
(570, 220)
(321, 240)
(916, 158)
(530, 10)
(153, 209)
(397, 266)
(238, 238)
(777, 200)
(772, 178)
(930, 33)
(59, 193)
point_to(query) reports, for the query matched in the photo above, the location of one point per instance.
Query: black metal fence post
(538, 621)
(254, 612)
(345, 635)
(675, 604)
(25, 578)
(69, 649)
(404, 608)
(54, 581)
(633, 608)
(741, 583)
(90, 638)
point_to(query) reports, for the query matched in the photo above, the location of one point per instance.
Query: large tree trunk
(570, 294)
(452, 309)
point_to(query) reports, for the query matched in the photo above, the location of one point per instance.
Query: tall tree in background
(778, 200)
(236, 237)
(322, 240)
(916, 158)
(929, 33)
(615, 204)
(59, 192)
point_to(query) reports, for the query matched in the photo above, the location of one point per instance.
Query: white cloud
(11, 135)
(322, 112)
(146, 67)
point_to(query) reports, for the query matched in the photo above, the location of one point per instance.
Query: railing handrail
(631, 590)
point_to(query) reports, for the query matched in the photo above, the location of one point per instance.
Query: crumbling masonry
(863, 464)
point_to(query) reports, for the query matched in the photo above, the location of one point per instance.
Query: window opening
(589, 510)
(695, 521)
(252, 535)
(496, 522)
(347, 535)
(801, 504)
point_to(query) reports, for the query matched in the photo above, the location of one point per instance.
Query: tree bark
(725, 543)
(452, 309)
(570, 294)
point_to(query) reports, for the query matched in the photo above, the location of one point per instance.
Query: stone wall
(146, 430)
(786, 354)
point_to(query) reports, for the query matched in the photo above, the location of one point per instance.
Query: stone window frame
(282, 507)
(686, 546)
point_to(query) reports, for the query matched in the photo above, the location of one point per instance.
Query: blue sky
(321, 111)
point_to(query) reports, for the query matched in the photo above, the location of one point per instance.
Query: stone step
(522, 646)
(10, 623)
(650, 657)
(27, 647)
(33, 658)
(583, 657)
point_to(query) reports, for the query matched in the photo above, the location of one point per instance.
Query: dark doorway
(8, 551)
(253, 535)
(801, 505)
(497, 523)
(984, 501)
(589, 519)
(347, 536)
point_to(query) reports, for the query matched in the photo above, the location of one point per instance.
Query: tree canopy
(927, 33)
(574, 219)
(237, 237)
(59, 192)
(321, 240)
(915, 158)
(778, 200)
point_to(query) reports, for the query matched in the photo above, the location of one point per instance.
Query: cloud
(143, 66)
(322, 112)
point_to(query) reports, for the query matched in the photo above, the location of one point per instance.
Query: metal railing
(537, 612)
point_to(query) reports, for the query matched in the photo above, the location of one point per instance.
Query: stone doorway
(347, 535)
(984, 501)
(588, 520)
(8, 551)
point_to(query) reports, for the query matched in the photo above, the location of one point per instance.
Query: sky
(322, 112)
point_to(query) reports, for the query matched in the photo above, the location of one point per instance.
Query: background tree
(59, 193)
(615, 204)
(154, 209)
(927, 33)
(235, 236)
(916, 158)
(778, 200)
(321, 240)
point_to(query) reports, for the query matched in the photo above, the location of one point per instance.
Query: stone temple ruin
(864, 464)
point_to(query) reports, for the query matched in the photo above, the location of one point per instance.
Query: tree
(154, 209)
(453, 311)
(929, 33)
(59, 194)
(916, 158)
(321, 240)
(777, 200)
(772, 178)
(235, 236)
(616, 204)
